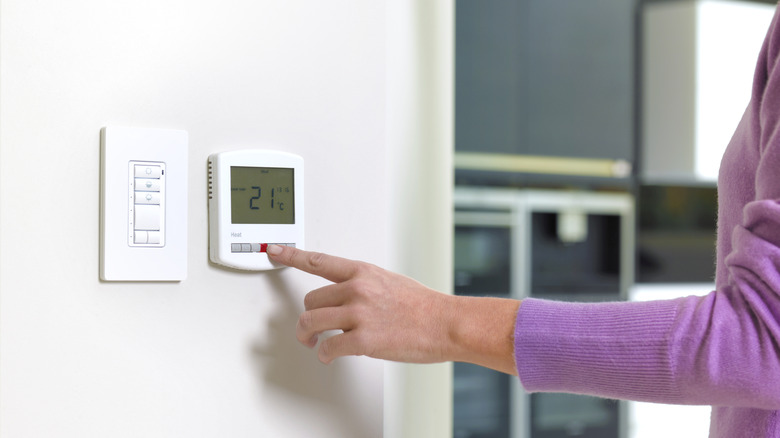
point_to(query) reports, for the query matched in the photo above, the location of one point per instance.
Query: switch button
(148, 171)
(140, 236)
(147, 185)
(147, 217)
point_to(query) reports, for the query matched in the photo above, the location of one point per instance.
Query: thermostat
(255, 200)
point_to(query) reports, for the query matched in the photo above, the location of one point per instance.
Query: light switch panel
(143, 204)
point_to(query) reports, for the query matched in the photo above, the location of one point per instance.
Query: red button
(263, 247)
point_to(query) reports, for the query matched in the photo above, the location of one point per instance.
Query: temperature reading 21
(255, 201)
(262, 195)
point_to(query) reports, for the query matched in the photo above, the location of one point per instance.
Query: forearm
(481, 331)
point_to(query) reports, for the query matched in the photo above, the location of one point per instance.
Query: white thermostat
(255, 199)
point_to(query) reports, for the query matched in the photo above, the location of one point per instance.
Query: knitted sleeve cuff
(615, 350)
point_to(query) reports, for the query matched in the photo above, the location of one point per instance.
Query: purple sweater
(722, 349)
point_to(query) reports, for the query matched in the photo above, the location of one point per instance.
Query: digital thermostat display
(255, 199)
(262, 195)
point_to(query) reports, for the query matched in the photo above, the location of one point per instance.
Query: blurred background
(588, 136)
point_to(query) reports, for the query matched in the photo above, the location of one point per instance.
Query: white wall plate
(143, 204)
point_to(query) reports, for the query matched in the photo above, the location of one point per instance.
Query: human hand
(382, 314)
(388, 316)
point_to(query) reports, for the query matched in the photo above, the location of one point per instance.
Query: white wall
(214, 355)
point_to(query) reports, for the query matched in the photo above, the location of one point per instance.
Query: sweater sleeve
(722, 349)
(615, 350)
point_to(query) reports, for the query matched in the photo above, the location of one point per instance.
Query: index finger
(335, 269)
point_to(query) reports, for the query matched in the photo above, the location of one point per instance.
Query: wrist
(481, 331)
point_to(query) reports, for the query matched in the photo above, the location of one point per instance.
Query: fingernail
(274, 249)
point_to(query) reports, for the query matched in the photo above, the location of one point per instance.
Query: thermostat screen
(262, 195)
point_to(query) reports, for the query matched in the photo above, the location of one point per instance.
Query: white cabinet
(697, 69)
